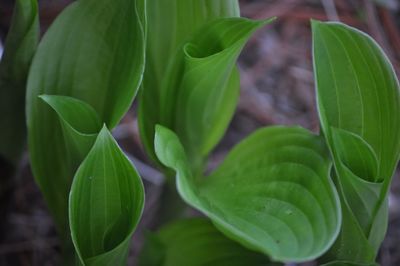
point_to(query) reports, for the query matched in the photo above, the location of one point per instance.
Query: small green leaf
(93, 52)
(355, 154)
(272, 193)
(79, 121)
(105, 204)
(359, 105)
(196, 242)
(19, 49)
(74, 113)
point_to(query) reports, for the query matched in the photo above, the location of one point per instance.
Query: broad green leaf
(93, 52)
(272, 193)
(359, 103)
(171, 25)
(105, 204)
(196, 242)
(19, 49)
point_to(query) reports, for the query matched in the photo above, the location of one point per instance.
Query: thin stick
(330, 9)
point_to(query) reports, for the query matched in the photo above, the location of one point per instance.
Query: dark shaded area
(277, 88)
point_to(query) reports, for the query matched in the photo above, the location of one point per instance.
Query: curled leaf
(79, 121)
(93, 52)
(191, 81)
(359, 104)
(105, 204)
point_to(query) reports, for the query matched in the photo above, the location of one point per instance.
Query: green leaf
(79, 121)
(196, 242)
(355, 154)
(19, 49)
(171, 25)
(357, 91)
(105, 204)
(209, 88)
(359, 104)
(272, 193)
(199, 94)
(93, 52)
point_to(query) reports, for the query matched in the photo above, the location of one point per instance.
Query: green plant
(284, 191)
(200, 242)
(70, 96)
(359, 103)
(282, 194)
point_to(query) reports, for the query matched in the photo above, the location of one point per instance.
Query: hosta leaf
(272, 193)
(196, 242)
(359, 103)
(105, 204)
(74, 113)
(199, 94)
(93, 52)
(206, 102)
(171, 25)
(19, 49)
(351, 244)
(355, 154)
(357, 91)
(79, 121)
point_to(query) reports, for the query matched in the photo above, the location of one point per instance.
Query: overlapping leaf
(171, 24)
(200, 94)
(94, 53)
(209, 89)
(106, 203)
(359, 104)
(272, 193)
(19, 49)
(196, 242)
(79, 122)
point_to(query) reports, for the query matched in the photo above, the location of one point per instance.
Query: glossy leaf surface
(196, 242)
(272, 193)
(19, 49)
(359, 104)
(93, 52)
(106, 203)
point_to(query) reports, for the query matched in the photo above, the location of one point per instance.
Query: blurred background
(277, 88)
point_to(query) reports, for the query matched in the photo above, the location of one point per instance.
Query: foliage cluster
(282, 194)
